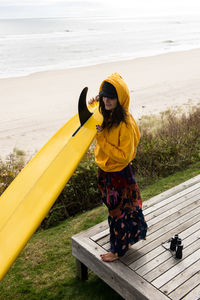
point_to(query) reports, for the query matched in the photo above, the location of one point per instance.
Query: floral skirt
(121, 195)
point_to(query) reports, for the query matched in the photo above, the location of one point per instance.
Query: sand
(34, 107)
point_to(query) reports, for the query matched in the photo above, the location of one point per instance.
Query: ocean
(93, 36)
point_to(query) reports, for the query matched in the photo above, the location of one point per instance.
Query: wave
(168, 42)
(34, 35)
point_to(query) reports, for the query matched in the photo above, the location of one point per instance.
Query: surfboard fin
(83, 112)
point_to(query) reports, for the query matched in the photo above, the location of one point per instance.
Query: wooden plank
(194, 294)
(150, 265)
(166, 265)
(166, 254)
(159, 241)
(103, 236)
(105, 232)
(157, 252)
(107, 247)
(104, 240)
(81, 270)
(181, 278)
(185, 287)
(171, 192)
(130, 286)
(100, 235)
(175, 218)
(181, 201)
(177, 209)
(141, 261)
(162, 235)
(179, 214)
(172, 222)
(171, 211)
(175, 270)
(93, 230)
(185, 193)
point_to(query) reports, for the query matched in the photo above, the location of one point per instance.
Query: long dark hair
(112, 119)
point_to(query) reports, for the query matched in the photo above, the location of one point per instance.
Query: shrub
(170, 147)
(10, 168)
(80, 193)
(169, 142)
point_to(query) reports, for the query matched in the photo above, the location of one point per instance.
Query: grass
(171, 181)
(170, 142)
(46, 268)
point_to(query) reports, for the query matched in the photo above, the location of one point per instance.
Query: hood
(122, 89)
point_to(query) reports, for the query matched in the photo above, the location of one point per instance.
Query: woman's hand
(91, 101)
(94, 99)
(99, 128)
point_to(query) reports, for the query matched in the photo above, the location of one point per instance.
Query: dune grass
(46, 268)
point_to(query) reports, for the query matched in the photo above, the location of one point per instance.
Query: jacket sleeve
(127, 146)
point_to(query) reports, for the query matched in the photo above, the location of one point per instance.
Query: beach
(35, 106)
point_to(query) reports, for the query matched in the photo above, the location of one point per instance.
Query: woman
(116, 143)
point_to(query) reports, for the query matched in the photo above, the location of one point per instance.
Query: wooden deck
(149, 270)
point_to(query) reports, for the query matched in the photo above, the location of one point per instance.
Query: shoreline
(98, 63)
(35, 106)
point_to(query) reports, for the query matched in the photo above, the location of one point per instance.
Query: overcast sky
(62, 8)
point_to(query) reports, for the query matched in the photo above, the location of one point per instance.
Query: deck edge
(170, 192)
(88, 252)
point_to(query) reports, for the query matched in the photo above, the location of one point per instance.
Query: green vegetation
(170, 142)
(168, 154)
(46, 268)
(9, 168)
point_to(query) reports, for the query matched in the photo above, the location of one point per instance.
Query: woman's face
(110, 103)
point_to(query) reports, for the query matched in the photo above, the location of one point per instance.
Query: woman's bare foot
(109, 257)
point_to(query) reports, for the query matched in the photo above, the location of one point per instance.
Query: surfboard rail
(28, 199)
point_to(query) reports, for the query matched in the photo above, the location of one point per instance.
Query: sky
(62, 8)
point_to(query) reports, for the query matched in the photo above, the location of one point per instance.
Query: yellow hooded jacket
(116, 147)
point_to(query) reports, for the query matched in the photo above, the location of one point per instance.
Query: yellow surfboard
(30, 196)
